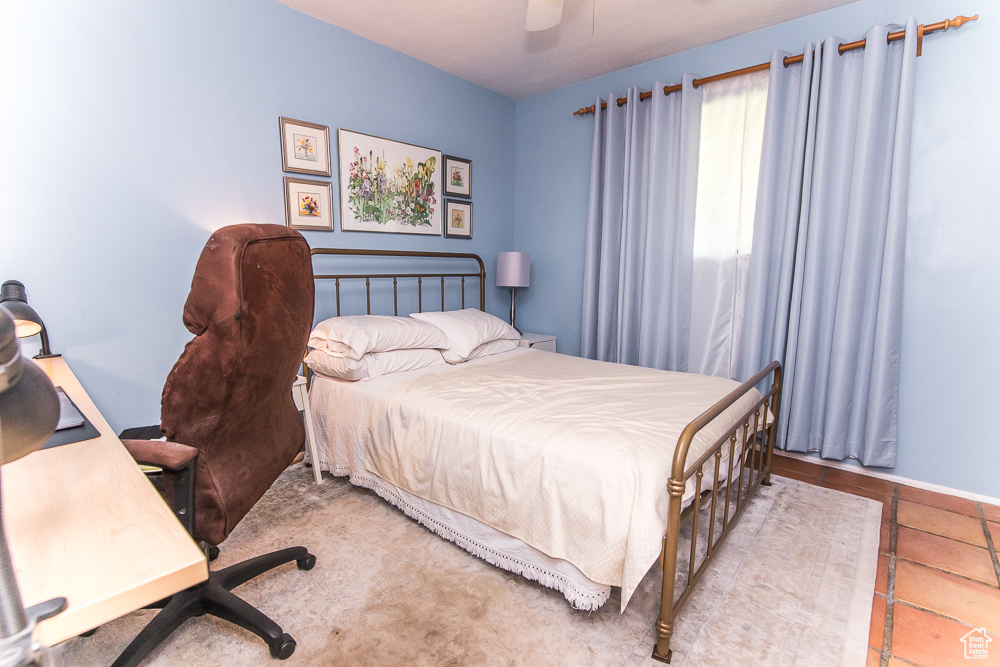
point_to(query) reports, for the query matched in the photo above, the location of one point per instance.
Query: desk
(83, 523)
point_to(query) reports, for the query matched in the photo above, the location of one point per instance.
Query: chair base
(214, 597)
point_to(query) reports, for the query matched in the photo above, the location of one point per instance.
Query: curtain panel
(640, 229)
(826, 284)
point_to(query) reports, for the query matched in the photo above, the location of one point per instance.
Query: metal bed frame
(748, 444)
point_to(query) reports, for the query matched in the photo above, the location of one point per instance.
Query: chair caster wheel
(283, 648)
(213, 553)
(306, 563)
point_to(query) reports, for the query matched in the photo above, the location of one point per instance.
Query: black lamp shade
(14, 300)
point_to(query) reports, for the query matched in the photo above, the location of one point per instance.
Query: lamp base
(513, 312)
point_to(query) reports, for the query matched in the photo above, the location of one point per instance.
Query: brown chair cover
(230, 393)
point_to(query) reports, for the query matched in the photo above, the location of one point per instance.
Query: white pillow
(372, 364)
(466, 330)
(493, 347)
(356, 335)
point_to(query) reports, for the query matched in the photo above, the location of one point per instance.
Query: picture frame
(457, 219)
(305, 147)
(388, 186)
(457, 176)
(308, 204)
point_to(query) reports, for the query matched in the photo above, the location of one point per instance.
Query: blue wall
(951, 362)
(130, 130)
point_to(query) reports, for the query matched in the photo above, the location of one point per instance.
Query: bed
(575, 473)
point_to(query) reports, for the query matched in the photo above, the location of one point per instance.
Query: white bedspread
(569, 455)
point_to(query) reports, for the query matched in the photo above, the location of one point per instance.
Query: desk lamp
(29, 411)
(513, 271)
(26, 321)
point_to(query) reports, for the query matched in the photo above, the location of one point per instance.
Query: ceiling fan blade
(543, 14)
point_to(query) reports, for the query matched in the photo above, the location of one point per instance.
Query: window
(732, 132)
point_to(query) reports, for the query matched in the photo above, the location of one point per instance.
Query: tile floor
(938, 576)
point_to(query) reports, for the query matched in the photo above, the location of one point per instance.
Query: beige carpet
(792, 586)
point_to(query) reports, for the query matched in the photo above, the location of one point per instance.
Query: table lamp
(513, 271)
(14, 300)
(29, 411)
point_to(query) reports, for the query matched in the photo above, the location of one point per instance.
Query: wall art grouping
(385, 185)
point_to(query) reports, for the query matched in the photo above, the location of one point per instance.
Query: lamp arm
(45, 342)
(12, 617)
(17, 624)
(45, 352)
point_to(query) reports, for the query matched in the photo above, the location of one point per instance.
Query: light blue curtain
(640, 229)
(826, 281)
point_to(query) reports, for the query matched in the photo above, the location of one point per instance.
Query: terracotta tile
(882, 574)
(884, 535)
(927, 639)
(940, 500)
(849, 478)
(991, 512)
(874, 658)
(896, 662)
(791, 474)
(941, 522)
(886, 500)
(877, 634)
(994, 531)
(944, 554)
(970, 602)
(796, 465)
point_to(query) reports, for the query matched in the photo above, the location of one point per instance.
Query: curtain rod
(790, 60)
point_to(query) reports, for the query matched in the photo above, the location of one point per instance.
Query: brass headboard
(395, 277)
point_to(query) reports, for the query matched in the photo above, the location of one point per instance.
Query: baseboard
(926, 486)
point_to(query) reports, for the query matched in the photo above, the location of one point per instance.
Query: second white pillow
(466, 330)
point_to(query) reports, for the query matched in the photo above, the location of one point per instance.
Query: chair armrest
(171, 456)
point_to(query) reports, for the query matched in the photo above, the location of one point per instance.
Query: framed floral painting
(305, 147)
(457, 219)
(308, 204)
(388, 186)
(457, 176)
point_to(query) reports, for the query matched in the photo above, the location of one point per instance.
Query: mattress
(547, 465)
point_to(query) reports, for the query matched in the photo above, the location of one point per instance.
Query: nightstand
(536, 341)
(300, 393)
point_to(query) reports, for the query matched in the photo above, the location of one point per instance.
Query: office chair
(227, 413)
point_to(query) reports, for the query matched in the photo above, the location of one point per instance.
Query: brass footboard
(750, 445)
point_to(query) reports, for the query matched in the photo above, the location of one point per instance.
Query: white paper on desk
(69, 416)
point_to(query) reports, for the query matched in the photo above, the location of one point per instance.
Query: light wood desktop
(83, 523)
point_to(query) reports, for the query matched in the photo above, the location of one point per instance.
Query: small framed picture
(308, 204)
(305, 147)
(457, 219)
(457, 176)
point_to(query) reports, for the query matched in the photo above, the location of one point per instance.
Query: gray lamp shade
(14, 301)
(513, 269)
(29, 408)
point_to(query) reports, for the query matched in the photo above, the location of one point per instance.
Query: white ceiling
(484, 41)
